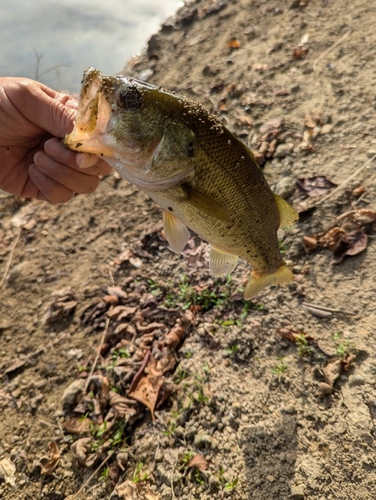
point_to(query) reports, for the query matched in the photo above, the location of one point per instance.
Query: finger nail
(85, 160)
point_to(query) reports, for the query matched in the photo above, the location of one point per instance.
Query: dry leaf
(81, 448)
(136, 491)
(145, 387)
(350, 244)
(332, 371)
(199, 461)
(315, 186)
(78, 425)
(49, 464)
(8, 471)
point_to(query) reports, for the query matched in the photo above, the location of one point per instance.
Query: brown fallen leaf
(136, 491)
(81, 448)
(199, 461)
(332, 371)
(351, 243)
(315, 186)
(62, 306)
(49, 464)
(78, 425)
(148, 385)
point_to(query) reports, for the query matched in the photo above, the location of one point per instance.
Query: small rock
(371, 153)
(203, 440)
(283, 150)
(297, 492)
(356, 380)
(325, 129)
(285, 186)
(73, 392)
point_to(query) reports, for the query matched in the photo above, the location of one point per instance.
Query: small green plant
(118, 436)
(280, 367)
(198, 478)
(304, 349)
(180, 375)
(206, 369)
(199, 396)
(154, 287)
(344, 347)
(105, 474)
(187, 457)
(188, 354)
(233, 349)
(170, 428)
(138, 475)
(282, 247)
(231, 485)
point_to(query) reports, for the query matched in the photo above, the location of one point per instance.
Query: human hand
(33, 162)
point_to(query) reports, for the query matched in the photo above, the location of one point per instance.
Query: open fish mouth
(93, 116)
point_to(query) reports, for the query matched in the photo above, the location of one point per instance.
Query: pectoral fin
(176, 232)
(221, 263)
(287, 213)
(257, 283)
(206, 204)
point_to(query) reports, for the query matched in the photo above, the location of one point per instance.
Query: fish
(203, 177)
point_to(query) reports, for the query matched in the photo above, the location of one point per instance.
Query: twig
(93, 474)
(47, 423)
(10, 258)
(332, 47)
(329, 309)
(344, 183)
(98, 353)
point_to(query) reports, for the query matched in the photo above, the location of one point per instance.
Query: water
(53, 41)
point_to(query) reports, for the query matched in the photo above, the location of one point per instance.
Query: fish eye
(130, 99)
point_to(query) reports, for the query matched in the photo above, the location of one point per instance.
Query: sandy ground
(273, 400)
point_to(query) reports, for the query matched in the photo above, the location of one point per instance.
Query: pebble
(297, 492)
(325, 129)
(203, 440)
(285, 186)
(73, 391)
(356, 380)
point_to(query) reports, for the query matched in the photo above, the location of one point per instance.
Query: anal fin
(176, 232)
(221, 263)
(257, 283)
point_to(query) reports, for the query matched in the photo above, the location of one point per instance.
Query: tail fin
(282, 276)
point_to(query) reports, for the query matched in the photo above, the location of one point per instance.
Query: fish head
(129, 123)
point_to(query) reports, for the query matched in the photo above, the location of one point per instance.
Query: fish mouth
(93, 115)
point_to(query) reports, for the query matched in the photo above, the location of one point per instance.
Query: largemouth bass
(202, 176)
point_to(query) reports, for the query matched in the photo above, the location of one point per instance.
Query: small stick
(344, 183)
(98, 353)
(93, 474)
(10, 258)
(332, 47)
(329, 309)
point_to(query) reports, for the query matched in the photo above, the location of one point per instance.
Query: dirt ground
(273, 399)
